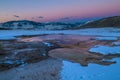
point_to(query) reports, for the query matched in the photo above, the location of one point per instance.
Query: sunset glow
(57, 10)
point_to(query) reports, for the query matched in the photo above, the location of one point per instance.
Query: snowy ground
(116, 43)
(10, 34)
(107, 38)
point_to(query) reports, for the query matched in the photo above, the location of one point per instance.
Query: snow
(111, 32)
(105, 49)
(48, 44)
(74, 71)
(116, 43)
(106, 38)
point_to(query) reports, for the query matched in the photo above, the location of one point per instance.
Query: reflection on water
(74, 71)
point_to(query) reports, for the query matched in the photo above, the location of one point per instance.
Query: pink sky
(57, 10)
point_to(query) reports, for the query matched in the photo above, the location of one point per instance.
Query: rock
(23, 45)
(30, 55)
(7, 64)
(31, 51)
(51, 45)
(27, 52)
(35, 51)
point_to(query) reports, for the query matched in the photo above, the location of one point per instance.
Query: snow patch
(116, 43)
(107, 38)
(48, 44)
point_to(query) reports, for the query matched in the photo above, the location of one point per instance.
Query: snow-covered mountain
(19, 24)
(104, 22)
(26, 24)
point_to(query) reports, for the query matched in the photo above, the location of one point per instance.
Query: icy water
(10, 34)
(74, 71)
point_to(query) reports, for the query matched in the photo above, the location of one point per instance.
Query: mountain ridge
(26, 24)
(113, 21)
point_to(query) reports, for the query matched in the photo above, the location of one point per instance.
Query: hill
(26, 24)
(105, 22)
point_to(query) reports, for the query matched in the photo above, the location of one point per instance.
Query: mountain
(105, 22)
(21, 24)
(26, 24)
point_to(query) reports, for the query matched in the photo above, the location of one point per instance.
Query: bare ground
(45, 70)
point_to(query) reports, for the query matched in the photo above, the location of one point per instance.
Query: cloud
(32, 17)
(16, 16)
(40, 17)
(65, 18)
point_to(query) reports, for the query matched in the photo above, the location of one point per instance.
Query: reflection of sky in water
(105, 49)
(73, 71)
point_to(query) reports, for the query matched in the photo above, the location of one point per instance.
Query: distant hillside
(21, 24)
(105, 22)
(26, 24)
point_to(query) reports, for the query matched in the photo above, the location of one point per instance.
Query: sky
(57, 10)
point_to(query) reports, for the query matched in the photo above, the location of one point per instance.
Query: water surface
(74, 71)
